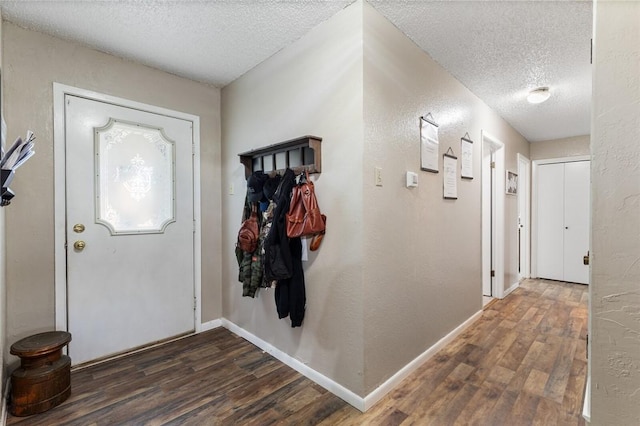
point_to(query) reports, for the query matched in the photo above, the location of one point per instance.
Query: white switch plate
(378, 176)
(412, 180)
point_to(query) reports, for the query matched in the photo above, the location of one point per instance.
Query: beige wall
(561, 148)
(615, 271)
(32, 62)
(311, 87)
(422, 254)
(399, 268)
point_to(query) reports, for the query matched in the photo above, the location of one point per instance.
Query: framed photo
(511, 183)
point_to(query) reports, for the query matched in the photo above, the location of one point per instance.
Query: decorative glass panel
(135, 185)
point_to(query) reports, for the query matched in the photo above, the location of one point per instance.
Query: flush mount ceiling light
(538, 95)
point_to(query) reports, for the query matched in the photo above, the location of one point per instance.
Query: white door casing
(146, 282)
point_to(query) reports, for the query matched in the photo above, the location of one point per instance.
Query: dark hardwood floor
(522, 363)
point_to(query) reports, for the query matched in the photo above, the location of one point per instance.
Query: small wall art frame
(429, 144)
(511, 184)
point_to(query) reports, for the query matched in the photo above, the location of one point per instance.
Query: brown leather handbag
(249, 232)
(304, 217)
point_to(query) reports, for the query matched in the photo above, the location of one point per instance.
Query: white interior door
(563, 218)
(493, 193)
(524, 185)
(129, 190)
(550, 213)
(577, 208)
(487, 201)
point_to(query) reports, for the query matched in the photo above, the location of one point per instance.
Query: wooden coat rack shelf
(299, 154)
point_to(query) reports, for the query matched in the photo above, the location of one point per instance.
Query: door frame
(534, 202)
(493, 216)
(59, 147)
(524, 197)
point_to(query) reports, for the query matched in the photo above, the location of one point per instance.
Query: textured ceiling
(502, 49)
(498, 49)
(208, 41)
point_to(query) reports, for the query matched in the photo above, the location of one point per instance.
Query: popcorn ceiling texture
(502, 50)
(498, 49)
(212, 42)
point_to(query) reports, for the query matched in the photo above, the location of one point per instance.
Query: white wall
(422, 258)
(560, 148)
(615, 175)
(312, 87)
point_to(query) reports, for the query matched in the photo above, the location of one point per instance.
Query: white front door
(129, 227)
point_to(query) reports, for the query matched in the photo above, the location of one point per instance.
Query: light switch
(412, 180)
(378, 176)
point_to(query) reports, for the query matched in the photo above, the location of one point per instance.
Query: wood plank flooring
(522, 363)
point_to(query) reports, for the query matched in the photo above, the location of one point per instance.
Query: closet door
(550, 213)
(576, 220)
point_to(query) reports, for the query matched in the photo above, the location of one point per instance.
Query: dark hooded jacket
(283, 258)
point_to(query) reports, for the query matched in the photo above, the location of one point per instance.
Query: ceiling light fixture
(539, 95)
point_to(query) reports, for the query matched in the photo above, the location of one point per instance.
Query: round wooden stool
(43, 379)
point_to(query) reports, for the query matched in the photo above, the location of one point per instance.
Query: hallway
(523, 362)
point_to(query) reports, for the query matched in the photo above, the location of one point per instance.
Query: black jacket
(283, 257)
(277, 254)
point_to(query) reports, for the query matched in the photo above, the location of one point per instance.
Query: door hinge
(195, 303)
(493, 164)
(493, 274)
(194, 226)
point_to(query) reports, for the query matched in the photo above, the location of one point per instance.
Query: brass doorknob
(78, 228)
(79, 245)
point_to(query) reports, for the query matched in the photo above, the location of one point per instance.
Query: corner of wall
(311, 87)
(614, 356)
(3, 291)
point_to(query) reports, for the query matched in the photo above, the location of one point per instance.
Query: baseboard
(340, 391)
(586, 406)
(5, 400)
(330, 385)
(209, 325)
(396, 379)
(510, 289)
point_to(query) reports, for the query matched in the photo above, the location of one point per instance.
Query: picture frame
(466, 150)
(511, 183)
(429, 144)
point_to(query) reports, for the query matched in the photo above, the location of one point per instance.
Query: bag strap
(310, 202)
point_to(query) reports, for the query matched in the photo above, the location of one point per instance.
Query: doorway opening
(493, 193)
